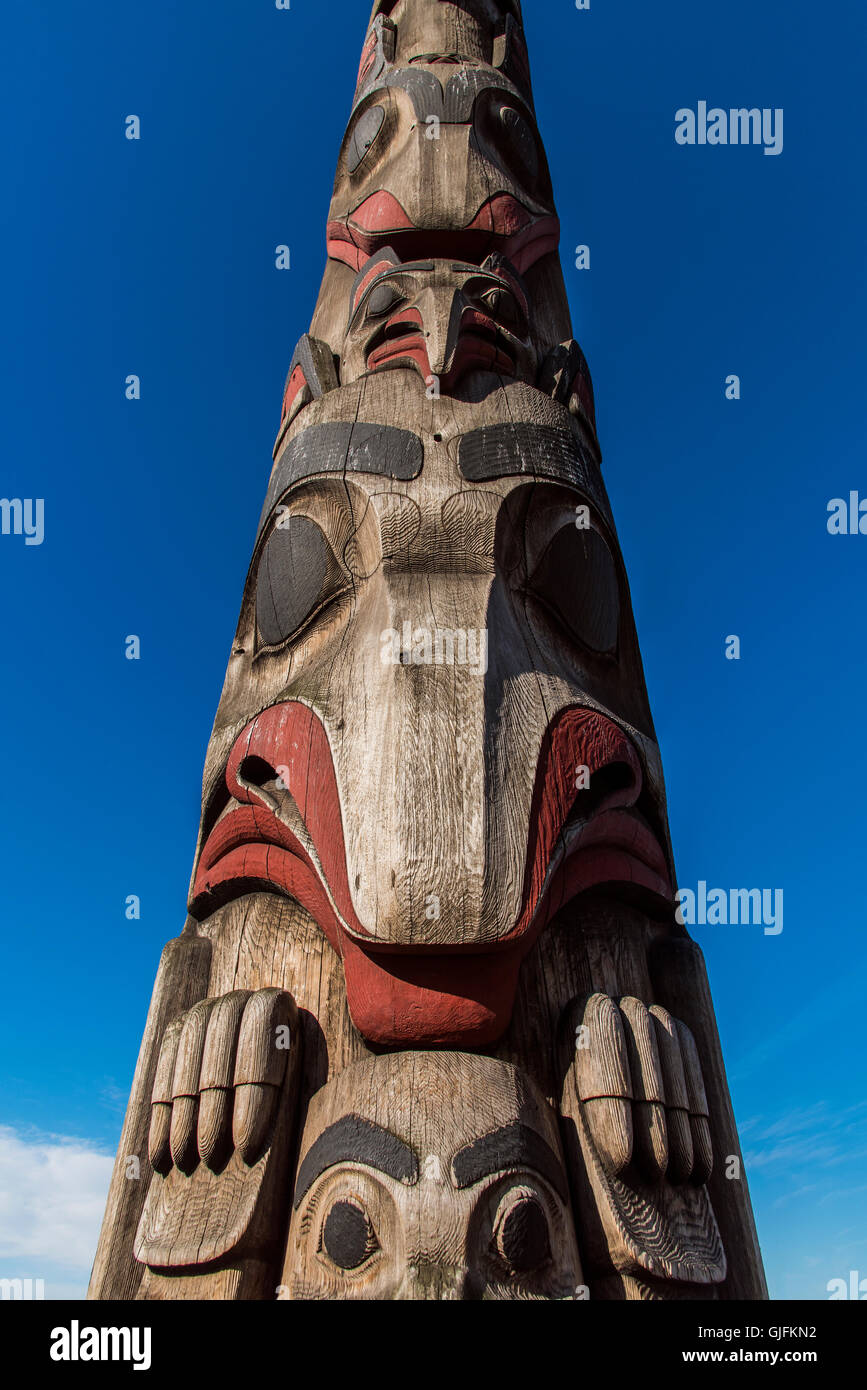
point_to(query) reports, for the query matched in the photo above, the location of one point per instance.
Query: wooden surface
(434, 845)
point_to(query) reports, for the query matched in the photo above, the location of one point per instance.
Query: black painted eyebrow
(532, 451)
(345, 447)
(352, 1139)
(513, 1146)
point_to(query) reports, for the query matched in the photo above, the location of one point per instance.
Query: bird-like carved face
(405, 1192)
(396, 180)
(446, 320)
(434, 732)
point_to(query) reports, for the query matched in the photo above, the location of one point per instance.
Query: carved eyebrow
(344, 447)
(352, 1139)
(513, 1146)
(536, 451)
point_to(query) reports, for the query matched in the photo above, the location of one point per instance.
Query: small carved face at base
(443, 318)
(403, 1192)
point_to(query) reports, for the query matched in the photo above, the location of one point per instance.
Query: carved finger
(266, 1038)
(699, 1121)
(648, 1110)
(216, 1093)
(185, 1087)
(159, 1148)
(602, 1080)
(680, 1153)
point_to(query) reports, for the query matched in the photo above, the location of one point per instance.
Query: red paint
(501, 224)
(297, 382)
(452, 999)
(368, 56)
(377, 269)
(472, 351)
(435, 995)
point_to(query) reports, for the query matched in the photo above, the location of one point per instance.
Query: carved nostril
(615, 784)
(255, 772)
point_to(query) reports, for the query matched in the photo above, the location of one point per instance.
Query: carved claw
(220, 1069)
(641, 1147)
(639, 1080)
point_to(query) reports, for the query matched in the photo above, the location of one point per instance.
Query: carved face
(402, 1194)
(396, 183)
(434, 732)
(470, 32)
(444, 319)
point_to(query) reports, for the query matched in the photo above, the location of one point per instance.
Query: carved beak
(441, 313)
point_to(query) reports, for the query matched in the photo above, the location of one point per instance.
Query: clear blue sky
(157, 258)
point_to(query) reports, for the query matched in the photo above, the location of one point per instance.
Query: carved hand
(221, 1117)
(636, 1095)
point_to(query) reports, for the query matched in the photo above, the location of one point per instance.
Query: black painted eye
(348, 1237)
(293, 575)
(382, 299)
(366, 130)
(521, 1234)
(577, 578)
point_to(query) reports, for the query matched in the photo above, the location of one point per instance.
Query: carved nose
(441, 315)
(430, 1281)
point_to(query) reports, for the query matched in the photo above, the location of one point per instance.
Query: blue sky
(157, 258)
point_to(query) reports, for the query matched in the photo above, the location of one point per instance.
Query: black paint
(345, 447)
(355, 1140)
(347, 1237)
(513, 1146)
(291, 579)
(535, 451)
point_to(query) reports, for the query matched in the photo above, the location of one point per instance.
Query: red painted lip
(251, 845)
(501, 223)
(442, 994)
(472, 351)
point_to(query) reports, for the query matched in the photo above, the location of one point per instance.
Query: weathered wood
(406, 1191)
(181, 979)
(433, 816)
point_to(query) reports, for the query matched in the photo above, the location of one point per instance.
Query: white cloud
(52, 1196)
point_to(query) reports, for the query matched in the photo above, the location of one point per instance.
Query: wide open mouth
(281, 831)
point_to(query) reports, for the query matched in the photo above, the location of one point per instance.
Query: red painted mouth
(437, 994)
(501, 224)
(477, 348)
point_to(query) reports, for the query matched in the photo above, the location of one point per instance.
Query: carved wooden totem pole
(432, 1029)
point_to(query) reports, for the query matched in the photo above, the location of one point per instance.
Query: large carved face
(403, 1191)
(434, 732)
(446, 320)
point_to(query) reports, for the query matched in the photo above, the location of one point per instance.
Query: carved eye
(348, 1237)
(577, 579)
(294, 573)
(366, 130)
(512, 140)
(520, 1235)
(519, 139)
(382, 299)
(502, 306)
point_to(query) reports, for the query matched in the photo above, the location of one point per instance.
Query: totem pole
(432, 1029)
